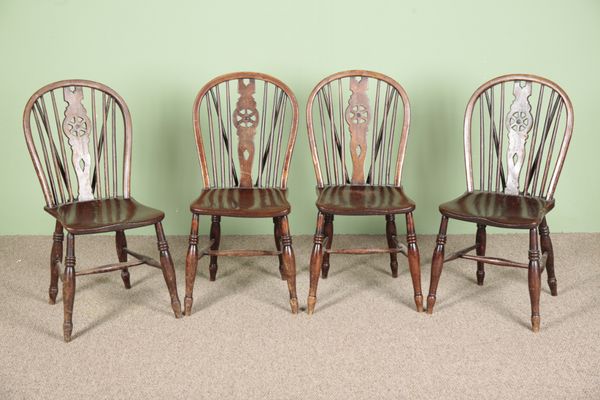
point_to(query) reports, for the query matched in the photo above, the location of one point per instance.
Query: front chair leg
(69, 288)
(480, 250)
(191, 266)
(390, 232)
(289, 262)
(329, 235)
(437, 263)
(121, 243)
(316, 259)
(546, 245)
(215, 235)
(534, 279)
(414, 262)
(167, 267)
(277, 235)
(56, 256)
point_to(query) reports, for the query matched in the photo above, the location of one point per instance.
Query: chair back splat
(355, 119)
(67, 117)
(517, 130)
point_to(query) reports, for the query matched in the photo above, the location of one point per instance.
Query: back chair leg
(121, 243)
(56, 256)
(437, 263)
(414, 262)
(390, 231)
(546, 245)
(316, 260)
(480, 238)
(289, 262)
(329, 235)
(215, 234)
(191, 265)
(167, 268)
(277, 235)
(534, 279)
(69, 288)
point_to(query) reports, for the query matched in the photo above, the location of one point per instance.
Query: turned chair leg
(167, 267)
(546, 245)
(69, 288)
(56, 256)
(414, 262)
(316, 259)
(390, 232)
(329, 235)
(437, 263)
(289, 262)
(121, 243)
(277, 235)
(215, 234)
(191, 266)
(480, 250)
(534, 276)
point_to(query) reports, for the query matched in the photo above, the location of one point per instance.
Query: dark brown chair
(524, 108)
(242, 176)
(84, 135)
(360, 173)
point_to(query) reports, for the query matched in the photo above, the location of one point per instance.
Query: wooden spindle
(105, 109)
(96, 175)
(48, 173)
(370, 179)
(232, 174)
(383, 147)
(499, 152)
(329, 107)
(342, 129)
(65, 161)
(392, 130)
(53, 152)
(550, 150)
(211, 138)
(217, 93)
(481, 145)
(261, 161)
(324, 138)
(533, 140)
(545, 129)
(279, 144)
(114, 147)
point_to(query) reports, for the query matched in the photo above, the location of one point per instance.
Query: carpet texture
(365, 340)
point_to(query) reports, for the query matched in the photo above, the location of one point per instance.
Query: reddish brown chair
(522, 108)
(87, 188)
(360, 174)
(242, 176)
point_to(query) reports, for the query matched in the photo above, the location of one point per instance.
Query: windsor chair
(498, 193)
(360, 174)
(242, 176)
(88, 190)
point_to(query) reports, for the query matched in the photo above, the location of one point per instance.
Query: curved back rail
(83, 132)
(359, 116)
(250, 121)
(520, 127)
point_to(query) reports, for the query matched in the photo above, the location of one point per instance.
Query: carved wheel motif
(245, 118)
(358, 114)
(77, 126)
(519, 121)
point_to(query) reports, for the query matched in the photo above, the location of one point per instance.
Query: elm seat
(363, 200)
(106, 215)
(242, 202)
(498, 209)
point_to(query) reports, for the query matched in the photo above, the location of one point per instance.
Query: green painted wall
(157, 55)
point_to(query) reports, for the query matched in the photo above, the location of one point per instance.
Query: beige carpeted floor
(365, 340)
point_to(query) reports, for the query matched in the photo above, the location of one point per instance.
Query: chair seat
(363, 200)
(242, 202)
(498, 209)
(105, 215)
